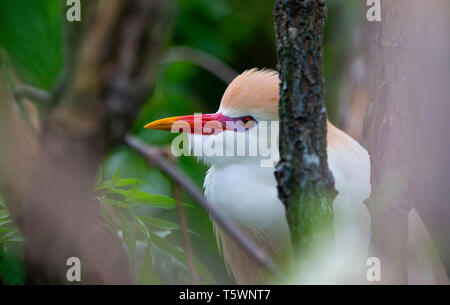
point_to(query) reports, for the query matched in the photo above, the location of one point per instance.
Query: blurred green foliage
(125, 206)
(241, 34)
(30, 32)
(11, 266)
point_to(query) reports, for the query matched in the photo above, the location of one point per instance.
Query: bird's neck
(246, 192)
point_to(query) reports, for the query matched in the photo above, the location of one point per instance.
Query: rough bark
(386, 134)
(110, 75)
(305, 184)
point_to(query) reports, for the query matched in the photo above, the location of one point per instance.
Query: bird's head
(245, 128)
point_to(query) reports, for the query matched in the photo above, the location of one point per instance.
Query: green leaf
(166, 246)
(116, 177)
(5, 216)
(5, 238)
(156, 201)
(17, 239)
(140, 197)
(141, 226)
(127, 232)
(179, 255)
(146, 274)
(7, 230)
(12, 271)
(122, 182)
(162, 224)
(2, 223)
(114, 202)
(105, 213)
(159, 223)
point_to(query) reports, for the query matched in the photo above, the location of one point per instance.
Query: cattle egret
(244, 188)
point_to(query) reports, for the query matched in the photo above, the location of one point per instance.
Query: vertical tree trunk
(305, 184)
(429, 184)
(386, 134)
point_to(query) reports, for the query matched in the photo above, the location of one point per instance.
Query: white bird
(243, 187)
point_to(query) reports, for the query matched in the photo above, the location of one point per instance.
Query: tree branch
(202, 59)
(154, 157)
(33, 94)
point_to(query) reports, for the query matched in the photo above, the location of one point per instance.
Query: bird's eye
(248, 122)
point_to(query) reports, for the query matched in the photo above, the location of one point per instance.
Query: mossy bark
(305, 184)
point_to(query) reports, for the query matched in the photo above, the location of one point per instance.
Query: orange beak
(206, 124)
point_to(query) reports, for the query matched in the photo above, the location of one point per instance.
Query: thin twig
(202, 59)
(155, 158)
(33, 94)
(185, 234)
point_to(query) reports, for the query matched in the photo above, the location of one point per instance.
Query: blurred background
(237, 33)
